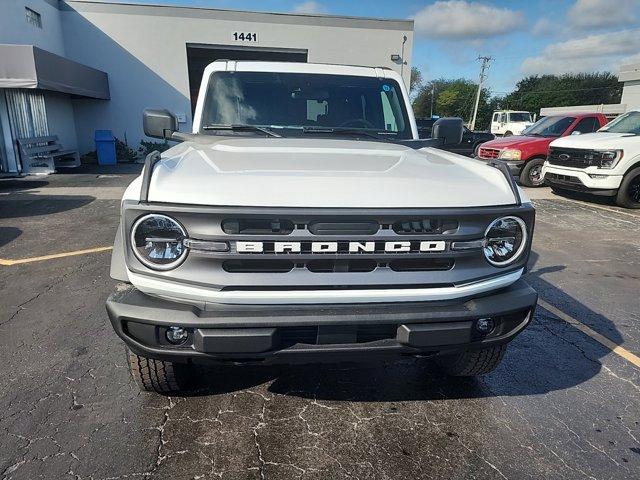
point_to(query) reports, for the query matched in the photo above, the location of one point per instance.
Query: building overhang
(26, 66)
(629, 73)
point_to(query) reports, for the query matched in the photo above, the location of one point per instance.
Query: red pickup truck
(524, 154)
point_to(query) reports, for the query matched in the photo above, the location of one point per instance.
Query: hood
(518, 141)
(598, 141)
(313, 172)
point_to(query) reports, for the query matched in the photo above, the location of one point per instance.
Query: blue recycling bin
(105, 147)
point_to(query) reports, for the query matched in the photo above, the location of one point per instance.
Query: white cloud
(591, 53)
(465, 20)
(309, 7)
(589, 14)
(544, 27)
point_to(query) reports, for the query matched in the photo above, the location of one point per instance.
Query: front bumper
(514, 166)
(578, 180)
(317, 333)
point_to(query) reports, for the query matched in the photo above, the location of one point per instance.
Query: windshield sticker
(386, 87)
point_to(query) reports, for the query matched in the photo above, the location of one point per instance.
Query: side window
(495, 117)
(587, 125)
(390, 124)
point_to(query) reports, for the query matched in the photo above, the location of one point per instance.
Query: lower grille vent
(329, 266)
(257, 266)
(421, 265)
(338, 266)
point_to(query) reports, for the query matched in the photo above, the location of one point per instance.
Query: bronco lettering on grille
(342, 247)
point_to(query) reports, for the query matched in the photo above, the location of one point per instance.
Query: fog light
(485, 325)
(177, 335)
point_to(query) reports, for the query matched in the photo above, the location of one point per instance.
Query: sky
(523, 37)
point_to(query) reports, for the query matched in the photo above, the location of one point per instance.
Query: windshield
(296, 101)
(519, 117)
(549, 126)
(627, 123)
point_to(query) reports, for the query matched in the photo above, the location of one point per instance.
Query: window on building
(33, 17)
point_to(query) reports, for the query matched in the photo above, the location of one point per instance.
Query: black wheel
(507, 134)
(531, 174)
(472, 362)
(476, 149)
(158, 376)
(629, 192)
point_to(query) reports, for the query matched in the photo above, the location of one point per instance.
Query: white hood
(281, 172)
(598, 141)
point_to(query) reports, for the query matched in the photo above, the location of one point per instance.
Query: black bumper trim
(241, 334)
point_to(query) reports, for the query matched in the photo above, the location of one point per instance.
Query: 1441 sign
(245, 36)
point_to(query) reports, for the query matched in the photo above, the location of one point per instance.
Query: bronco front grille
(320, 249)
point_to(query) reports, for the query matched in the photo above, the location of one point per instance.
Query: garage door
(199, 56)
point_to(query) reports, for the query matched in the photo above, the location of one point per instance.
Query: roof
(300, 67)
(629, 72)
(26, 66)
(158, 9)
(576, 110)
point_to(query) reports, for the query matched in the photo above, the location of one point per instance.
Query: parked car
(603, 163)
(510, 122)
(525, 154)
(300, 227)
(471, 140)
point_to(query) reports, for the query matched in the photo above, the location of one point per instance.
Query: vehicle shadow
(16, 185)
(542, 359)
(8, 235)
(24, 204)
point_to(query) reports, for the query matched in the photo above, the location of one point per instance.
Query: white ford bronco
(304, 221)
(606, 162)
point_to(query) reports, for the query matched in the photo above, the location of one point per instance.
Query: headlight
(157, 241)
(510, 154)
(504, 241)
(610, 158)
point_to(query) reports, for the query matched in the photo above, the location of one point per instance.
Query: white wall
(143, 50)
(15, 29)
(631, 94)
(61, 120)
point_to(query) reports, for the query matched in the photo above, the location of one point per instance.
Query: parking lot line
(600, 207)
(53, 256)
(601, 339)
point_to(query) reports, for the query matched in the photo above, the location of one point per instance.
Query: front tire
(472, 362)
(507, 134)
(629, 192)
(158, 376)
(531, 174)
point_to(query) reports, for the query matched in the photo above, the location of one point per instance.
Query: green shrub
(148, 146)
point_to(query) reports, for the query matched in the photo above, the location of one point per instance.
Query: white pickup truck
(505, 123)
(606, 162)
(304, 221)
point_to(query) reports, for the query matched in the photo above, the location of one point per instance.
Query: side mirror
(448, 130)
(159, 123)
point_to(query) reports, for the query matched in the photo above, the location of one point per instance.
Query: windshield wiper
(236, 127)
(342, 131)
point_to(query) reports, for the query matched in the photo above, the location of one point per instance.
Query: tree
(416, 80)
(537, 91)
(454, 98)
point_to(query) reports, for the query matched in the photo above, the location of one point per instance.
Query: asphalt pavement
(562, 405)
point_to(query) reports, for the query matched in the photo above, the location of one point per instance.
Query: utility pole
(433, 93)
(483, 68)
